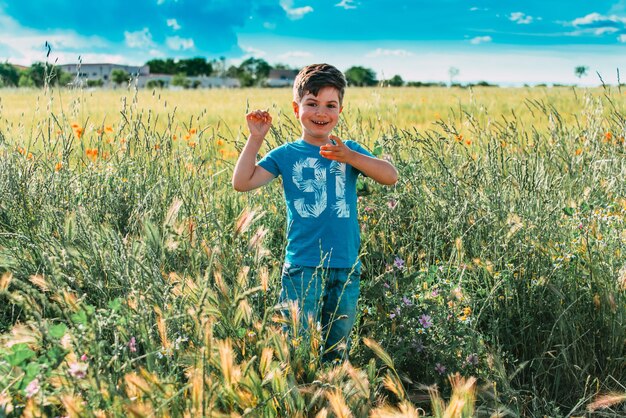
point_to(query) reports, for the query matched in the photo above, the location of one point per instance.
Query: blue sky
(505, 42)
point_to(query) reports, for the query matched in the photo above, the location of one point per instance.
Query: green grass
(136, 280)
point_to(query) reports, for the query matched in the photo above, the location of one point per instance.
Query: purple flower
(78, 370)
(132, 345)
(419, 346)
(392, 203)
(472, 359)
(406, 301)
(435, 293)
(399, 263)
(386, 286)
(426, 321)
(440, 368)
(32, 388)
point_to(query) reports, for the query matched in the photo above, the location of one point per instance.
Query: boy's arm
(247, 174)
(380, 171)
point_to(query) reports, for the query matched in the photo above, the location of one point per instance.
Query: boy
(319, 179)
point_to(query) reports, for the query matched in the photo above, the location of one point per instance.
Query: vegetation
(134, 281)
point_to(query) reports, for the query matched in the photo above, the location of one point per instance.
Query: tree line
(250, 72)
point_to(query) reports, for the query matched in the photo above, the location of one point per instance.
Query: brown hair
(314, 77)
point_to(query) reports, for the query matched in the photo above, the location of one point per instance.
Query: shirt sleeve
(355, 146)
(270, 162)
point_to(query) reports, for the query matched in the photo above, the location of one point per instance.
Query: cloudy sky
(506, 42)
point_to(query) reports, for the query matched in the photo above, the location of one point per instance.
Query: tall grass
(134, 281)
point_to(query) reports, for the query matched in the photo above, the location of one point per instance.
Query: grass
(135, 281)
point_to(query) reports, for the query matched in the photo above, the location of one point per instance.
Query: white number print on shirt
(317, 186)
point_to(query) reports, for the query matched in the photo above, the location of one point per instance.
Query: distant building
(165, 80)
(281, 78)
(141, 75)
(85, 72)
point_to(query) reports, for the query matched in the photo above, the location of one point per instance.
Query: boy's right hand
(259, 122)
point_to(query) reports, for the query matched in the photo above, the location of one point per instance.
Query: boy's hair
(314, 77)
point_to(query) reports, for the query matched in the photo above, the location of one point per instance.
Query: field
(134, 281)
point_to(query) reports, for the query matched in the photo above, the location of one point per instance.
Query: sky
(507, 42)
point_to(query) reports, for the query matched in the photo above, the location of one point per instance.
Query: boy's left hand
(338, 152)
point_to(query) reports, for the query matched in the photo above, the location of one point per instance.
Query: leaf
(80, 317)
(569, 211)
(378, 151)
(20, 353)
(58, 331)
(115, 304)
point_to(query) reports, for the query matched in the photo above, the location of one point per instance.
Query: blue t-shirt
(322, 224)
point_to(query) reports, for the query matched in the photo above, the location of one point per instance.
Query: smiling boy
(321, 270)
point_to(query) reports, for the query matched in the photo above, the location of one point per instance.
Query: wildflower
(608, 136)
(579, 151)
(192, 131)
(33, 388)
(406, 301)
(174, 137)
(58, 166)
(440, 368)
(386, 285)
(219, 142)
(426, 321)
(459, 138)
(108, 129)
(399, 263)
(83, 357)
(78, 370)
(132, 345)
(467, 311)
(392, 203)
(472, 359)
(192, 144)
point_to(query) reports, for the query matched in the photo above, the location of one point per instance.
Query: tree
(395, 81)
(119, 76)
(360, 76)
(581, 71)
(253, 71)
(180, 80)
(9, 76)
(159, 66)
(195, 67)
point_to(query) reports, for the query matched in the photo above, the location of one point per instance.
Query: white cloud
(173, 23)
(269, 25)
(346, 4)
(139, 39)
(622, 38)
(381, 52)
(253, 52)
(480, 40)
(521, 18)
(177, 43)
(295, 54)
(597, 18)
(294, 13)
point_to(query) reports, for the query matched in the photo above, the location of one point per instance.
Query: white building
(281, 78)
(141, 75)
(84, 72)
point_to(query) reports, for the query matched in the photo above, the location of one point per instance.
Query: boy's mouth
(319, 123)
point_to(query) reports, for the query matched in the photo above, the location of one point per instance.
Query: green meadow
(134, 281)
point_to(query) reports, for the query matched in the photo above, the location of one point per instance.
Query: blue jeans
(328, 295)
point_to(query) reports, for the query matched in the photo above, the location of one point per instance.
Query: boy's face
(319, 114)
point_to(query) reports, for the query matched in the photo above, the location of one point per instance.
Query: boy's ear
(296, 108)
(340, 109)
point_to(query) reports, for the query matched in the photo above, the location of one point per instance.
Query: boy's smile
(318, 115)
